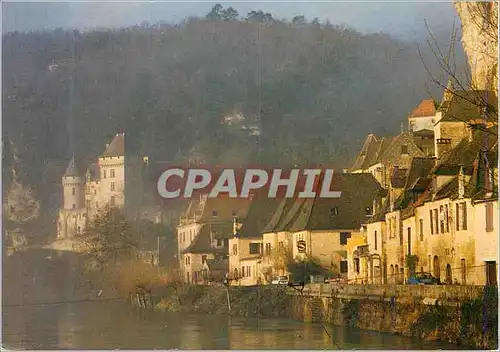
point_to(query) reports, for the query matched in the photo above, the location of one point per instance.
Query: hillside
(313, 93)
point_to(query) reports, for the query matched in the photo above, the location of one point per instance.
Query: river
(116, 325)
(30, 278)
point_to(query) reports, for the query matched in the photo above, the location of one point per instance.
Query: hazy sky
(402, 19)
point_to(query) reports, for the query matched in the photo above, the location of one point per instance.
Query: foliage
(350, 312)
(313, 91)
(110, 237)
(301, 269)
(431, 321)
(479, 317)
(411, 263)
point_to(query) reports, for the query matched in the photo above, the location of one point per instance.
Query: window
(78, 230)
(441, 218)
(334, 211)
(343, 266)
(446, 222)
(112, 173)
(220, 242)
(235, 249)
(404, 149)
(249, 271)
(214, 213)
(268, 248)
(421, 227)
(95, 192)
(104, 173)
(376, 240)
(254, 248)
(74, 206)
(431, 222)
(436, 222)
(281, 245)
(183, 237)
(203, 259)
(112, 201)
(73, 191)
(489, 217)
(368, 211)
(464, 216)
(112, 186)
(343, 237)
(356, 265)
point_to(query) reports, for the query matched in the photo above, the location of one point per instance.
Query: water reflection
(104, 325)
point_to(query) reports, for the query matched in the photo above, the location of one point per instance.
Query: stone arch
(396, 274)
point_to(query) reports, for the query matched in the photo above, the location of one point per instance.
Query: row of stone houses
(427, 195)
(441, 211)
(259, 235)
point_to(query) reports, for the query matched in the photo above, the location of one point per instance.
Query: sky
(402, 19)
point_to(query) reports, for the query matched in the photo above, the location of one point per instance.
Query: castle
(114, 180)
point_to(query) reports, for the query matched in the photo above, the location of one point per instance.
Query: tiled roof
(223, 208)
(358, 193)
(398, 177)
(201, 243)
(465, 105)
(116, 147)
(397, 142)
(424, 109)
(371, 152)
(260, 213)
(477, 188)
(72, 170)
(419, 169)
(463, 155)
(218, 264)
(279, 215)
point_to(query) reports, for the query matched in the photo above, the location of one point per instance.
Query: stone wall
(399, 309)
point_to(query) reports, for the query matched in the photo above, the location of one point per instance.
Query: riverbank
(465, 316)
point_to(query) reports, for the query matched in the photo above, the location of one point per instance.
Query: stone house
(204, 232)
(319, 228)
(423, 117)
(246, 248)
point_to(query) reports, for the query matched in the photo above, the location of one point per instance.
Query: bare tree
(461, 85)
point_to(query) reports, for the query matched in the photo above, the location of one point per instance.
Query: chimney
(461, 181)
(107, 145)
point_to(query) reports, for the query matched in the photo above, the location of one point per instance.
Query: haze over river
(112, 324)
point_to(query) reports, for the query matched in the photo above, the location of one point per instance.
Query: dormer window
(214, 213)
(334, 211)
(112, 173)
(368, 211)
(404, 149)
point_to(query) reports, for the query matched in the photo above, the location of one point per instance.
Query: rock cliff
(480, 41)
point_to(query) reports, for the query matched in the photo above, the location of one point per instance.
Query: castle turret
(73, 187)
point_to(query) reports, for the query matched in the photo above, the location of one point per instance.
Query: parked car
(423, 279)
(335, 280)
(317, 279)
(280, 280)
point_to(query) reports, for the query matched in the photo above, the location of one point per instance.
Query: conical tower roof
(72, 169)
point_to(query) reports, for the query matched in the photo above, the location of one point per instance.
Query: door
(437, 270)
(464, 275)
(449, 279)
(491, 273)
(409, 240)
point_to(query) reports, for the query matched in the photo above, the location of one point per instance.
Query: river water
(36, 276)
(116, 325)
